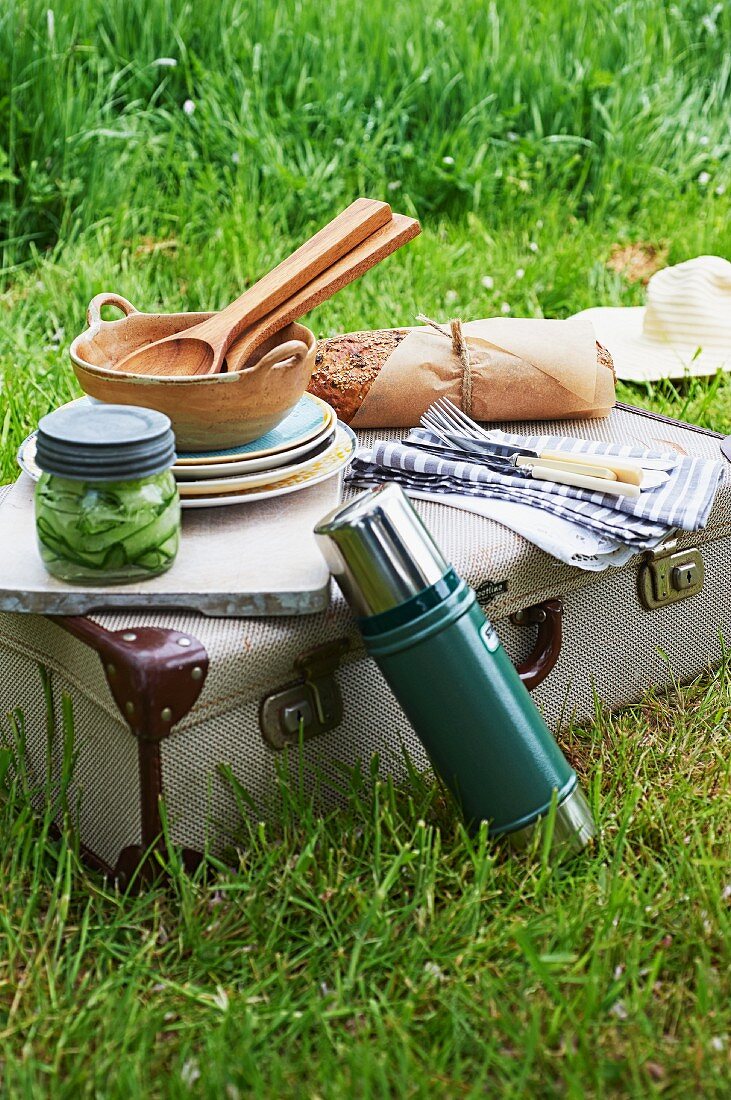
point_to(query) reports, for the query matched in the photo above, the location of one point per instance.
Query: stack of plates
(309, 446)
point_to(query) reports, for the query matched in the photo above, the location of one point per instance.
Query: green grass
(368, 954)
(382, 951)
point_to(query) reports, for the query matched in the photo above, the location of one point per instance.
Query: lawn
(172, 151)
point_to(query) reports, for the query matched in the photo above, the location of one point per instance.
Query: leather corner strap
(548, 616)
(155, 675)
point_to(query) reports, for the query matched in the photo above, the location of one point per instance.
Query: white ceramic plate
(27, 457)
(308, 418)
(189, 472)
(337, 458)
(237, 482)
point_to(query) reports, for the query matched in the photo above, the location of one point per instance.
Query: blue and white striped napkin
(681, 495)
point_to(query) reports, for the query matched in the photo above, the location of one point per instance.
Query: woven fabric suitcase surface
(204, 709)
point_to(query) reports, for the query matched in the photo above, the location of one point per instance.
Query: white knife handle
(625, 469)
(570, 465)
(581, 481)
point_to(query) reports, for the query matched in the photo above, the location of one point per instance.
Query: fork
(529, 463)
(445, 417)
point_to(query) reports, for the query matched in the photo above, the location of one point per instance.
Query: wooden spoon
(366, 255)
(202, 349)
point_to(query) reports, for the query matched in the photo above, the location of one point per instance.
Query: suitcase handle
(549, 617)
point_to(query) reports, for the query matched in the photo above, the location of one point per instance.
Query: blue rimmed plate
(27, 457)
(311, 417)
(188, 472)
(332, 462)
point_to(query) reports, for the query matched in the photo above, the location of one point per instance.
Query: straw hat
(685, 328)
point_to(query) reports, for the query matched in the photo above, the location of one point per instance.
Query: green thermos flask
(443, 661)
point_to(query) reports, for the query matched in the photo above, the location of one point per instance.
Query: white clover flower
(235, 158)
(393, 185)
(189, 107)
(703, 140)
(451, 296)
(519, 274)
(704, 178)
(488, 282)
(512, 136)
(533, 246)
(447, 160)
(165, 62)
(435, 971)
(505, 307)
(721, 189)
(190, 1072)
(718, 1042)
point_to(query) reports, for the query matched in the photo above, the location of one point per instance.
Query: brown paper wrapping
(521, 369)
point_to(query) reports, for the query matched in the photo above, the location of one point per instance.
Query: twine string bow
(460, 349)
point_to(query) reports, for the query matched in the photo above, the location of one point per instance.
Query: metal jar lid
(379, 551)
(105, 443)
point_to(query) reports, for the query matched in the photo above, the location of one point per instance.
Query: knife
(532, 465)
(611, 467)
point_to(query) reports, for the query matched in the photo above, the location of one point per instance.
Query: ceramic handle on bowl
(283, 356)
(94, 308)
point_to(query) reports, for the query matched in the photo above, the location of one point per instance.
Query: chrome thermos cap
(379, 551)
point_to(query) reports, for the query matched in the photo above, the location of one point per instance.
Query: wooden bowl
(208, 412)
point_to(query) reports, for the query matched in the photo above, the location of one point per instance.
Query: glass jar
(107, 505)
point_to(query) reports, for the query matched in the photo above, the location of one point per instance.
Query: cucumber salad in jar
(107, 505)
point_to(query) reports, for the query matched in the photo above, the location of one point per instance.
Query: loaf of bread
(346, 366)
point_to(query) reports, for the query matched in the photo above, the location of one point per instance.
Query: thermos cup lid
(379, 551)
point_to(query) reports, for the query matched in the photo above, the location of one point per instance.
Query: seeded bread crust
(604, 359)
(345, 367)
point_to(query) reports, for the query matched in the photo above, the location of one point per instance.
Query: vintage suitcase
(164, 704)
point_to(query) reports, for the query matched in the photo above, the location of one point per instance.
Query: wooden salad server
(375, 248)
(202, 349)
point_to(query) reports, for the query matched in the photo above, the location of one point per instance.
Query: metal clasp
(310, 705)
(668, 575)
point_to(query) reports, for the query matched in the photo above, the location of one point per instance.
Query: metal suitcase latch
(309, 706)
(668, 575)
